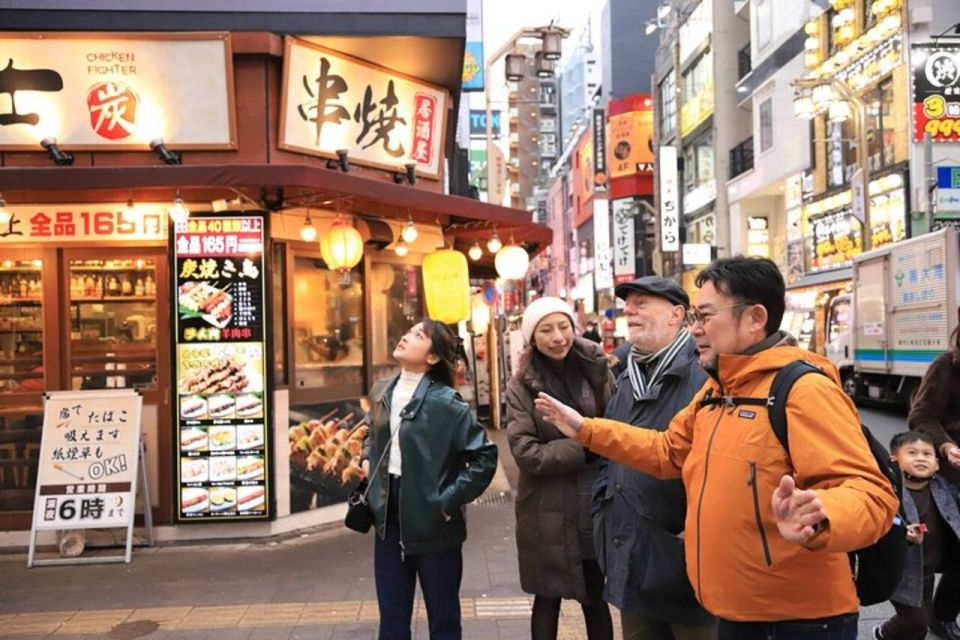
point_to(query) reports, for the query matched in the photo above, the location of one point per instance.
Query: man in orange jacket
(767, 536)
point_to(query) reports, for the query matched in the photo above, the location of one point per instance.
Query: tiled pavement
(317, 585)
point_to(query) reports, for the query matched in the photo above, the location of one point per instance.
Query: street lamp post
(805, 107)
(550, 37)
(549, 34)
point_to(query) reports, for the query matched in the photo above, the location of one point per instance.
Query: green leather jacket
(447, 461)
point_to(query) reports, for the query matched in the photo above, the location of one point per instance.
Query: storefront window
(880, 126)
(395, 305)
(328, 327)
(887, 216)
(839, 319)
(21, 327)
(113, 323)
(698, 163)
(21, 381)
(697, 94)
(836, 240)
(841, 153)
(668, 104)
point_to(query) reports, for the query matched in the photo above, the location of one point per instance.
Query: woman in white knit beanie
(554, 528)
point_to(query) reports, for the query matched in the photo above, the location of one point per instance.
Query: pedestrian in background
(554, 540)
(438, 460)
(591, 333)
(638, 519)
(933, 536)
(767, 534)
(935, 411)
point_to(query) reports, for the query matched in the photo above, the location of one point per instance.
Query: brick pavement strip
(37, 623)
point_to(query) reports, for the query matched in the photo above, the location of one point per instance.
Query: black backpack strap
(731, 401)
(779, 390)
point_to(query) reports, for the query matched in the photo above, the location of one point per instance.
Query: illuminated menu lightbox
(221, 395)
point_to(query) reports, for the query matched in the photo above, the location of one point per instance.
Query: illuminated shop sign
(221, 393)
(332, 101)
(936, 92)
(117, 92)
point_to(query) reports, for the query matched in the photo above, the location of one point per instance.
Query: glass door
(113, 321)
(27, 369)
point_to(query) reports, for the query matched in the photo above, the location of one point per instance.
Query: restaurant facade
(160, 239)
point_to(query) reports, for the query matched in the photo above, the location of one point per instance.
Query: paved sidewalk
(316, 585)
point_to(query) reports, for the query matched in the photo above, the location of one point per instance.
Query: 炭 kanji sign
(382, 118)
(117, 92)
(936, 92)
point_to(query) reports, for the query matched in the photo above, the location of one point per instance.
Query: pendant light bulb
(129, 211)
(401, 249)
(308, 232)
(409, 232)
(494, 244)
(475, 252)
(179, 212)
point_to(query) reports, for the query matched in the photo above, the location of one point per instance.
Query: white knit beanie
(538, 310)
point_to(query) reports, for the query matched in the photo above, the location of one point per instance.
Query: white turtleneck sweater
(402, 394)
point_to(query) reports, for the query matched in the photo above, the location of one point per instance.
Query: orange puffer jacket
(731, 462)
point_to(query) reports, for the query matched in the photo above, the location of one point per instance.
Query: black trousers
(910, 623)
(596, 613)
(833, 628)
(396, 577)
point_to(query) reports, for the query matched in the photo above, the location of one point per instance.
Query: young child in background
(933, 535)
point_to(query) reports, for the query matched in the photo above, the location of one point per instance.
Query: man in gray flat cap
(638, 519)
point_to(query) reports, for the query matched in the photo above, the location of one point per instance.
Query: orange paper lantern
(341, 247)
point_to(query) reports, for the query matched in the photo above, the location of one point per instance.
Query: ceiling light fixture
(308, 232)
(179, 212)
(62, 158)
(158, 146)
(409, 232)
(494, 244)
(475, 252)
(342, 162)
(409, 174)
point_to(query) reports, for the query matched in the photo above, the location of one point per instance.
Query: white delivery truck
(904, 308)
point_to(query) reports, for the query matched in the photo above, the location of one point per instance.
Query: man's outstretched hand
(798, 512)
(559, 414)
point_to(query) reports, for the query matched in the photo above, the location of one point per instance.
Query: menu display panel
(221, 392)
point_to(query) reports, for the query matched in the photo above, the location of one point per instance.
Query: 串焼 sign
(382, 118)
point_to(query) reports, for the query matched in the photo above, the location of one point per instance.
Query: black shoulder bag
(359, 515)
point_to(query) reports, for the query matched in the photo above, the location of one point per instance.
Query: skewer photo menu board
(221, 392)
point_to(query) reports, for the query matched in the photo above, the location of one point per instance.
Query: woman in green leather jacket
(429, 457)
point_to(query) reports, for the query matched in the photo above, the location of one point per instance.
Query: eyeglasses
(694, 315)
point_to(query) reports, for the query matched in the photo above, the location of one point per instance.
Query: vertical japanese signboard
(624, 252)
(87, 475)
(600, 178)
(383, 118)
(602, 267)
(936, 91)
(669, 204)
(221, 392)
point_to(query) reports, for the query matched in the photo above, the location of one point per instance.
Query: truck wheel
(849, 383)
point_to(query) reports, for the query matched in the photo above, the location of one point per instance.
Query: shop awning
(464, 219)
(822, 277)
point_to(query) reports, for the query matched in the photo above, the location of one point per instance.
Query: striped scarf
(643, 382)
